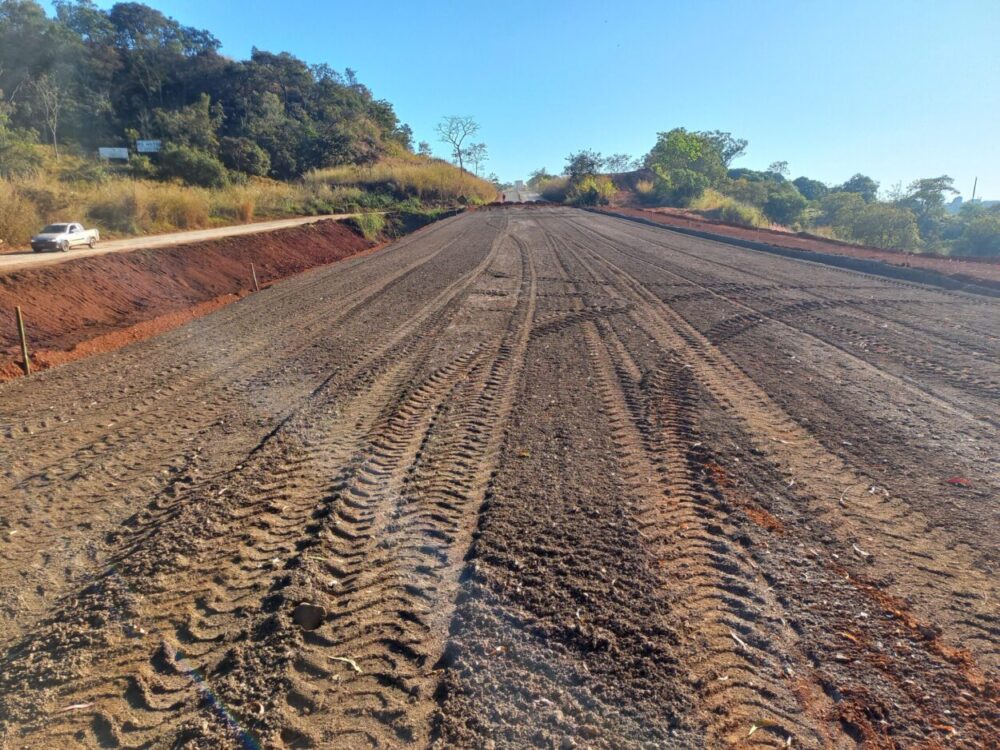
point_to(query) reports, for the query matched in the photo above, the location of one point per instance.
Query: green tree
(812, 190)
(243, 155)
(981, 233)
(885, 225)
(784, 203)
(925, 198)
(680, 149)
(861, 184)
(779, 168)
(838, 208)
(729, 148)
(584, 163)
(196, 125)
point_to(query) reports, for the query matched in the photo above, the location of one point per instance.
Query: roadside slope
(92, 298)
(15, 260)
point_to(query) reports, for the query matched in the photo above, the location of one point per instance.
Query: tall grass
(715, 205)
(428, 180)
(120, 206)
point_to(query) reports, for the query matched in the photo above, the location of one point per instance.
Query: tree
(617, 163)
(784, 203)
(51, 97)
(812, 190)
(981, 233)
(539, 177)
(861, 184)
(885, 225)
(680, 149)
(778, 168)
(926, 198)
(196, 125)
(424, 149)
(729, 148)
(243, 155)
(476, 154)
(455, 130)
(583, 164)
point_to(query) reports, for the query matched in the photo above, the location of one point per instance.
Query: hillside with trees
(694, 170)
(245, 132)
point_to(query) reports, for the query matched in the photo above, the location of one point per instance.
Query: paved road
(531, 477)
(15, 261)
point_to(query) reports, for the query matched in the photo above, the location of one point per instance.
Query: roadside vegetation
(693, 170)
(267, 137)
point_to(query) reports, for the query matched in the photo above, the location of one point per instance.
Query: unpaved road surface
(527, 478)
(18, 260)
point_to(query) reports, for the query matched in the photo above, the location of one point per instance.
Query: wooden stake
(253, 272)
(24, 340)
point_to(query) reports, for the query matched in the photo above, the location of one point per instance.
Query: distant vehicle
(64, 236)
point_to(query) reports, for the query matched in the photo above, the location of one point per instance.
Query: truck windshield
(55, 229)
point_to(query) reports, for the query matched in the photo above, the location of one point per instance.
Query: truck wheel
(91, 242)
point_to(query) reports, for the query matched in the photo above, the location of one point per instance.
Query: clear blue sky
(898, 89)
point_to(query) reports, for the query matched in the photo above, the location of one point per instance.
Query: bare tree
(476, 154)
(454, 130)
(51, 98)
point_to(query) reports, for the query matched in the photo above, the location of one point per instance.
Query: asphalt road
(530, 477)
(18, 260)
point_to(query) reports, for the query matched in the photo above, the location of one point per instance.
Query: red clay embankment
(99, 303)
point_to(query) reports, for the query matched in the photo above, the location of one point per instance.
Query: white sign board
(148, 147)
(113, 153)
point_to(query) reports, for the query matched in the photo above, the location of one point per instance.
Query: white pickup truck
(64, 236)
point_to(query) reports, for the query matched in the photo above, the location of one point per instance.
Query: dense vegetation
(693, 170)
(270, 135)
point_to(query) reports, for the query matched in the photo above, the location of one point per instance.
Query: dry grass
(715, 205)
(428, 180)
(77, 189)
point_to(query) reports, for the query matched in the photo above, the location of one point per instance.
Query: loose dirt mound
(985, 271)
(98, 303)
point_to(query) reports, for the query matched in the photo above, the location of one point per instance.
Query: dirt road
(16, 261)
(527, 478)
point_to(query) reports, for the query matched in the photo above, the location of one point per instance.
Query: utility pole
(975, 184)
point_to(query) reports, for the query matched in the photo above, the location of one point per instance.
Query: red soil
(964, 269)
(100, 303)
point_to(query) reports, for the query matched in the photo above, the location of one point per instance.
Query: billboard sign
(113, 153)
(148, 147)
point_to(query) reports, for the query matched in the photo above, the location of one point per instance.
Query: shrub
(645, 191)
(784, 203)
(555, 190)
(679, 187)
(192, 166)
(591, 190)
(370, 225)
(734, 212)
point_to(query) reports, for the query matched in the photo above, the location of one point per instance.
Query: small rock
(309, 616)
